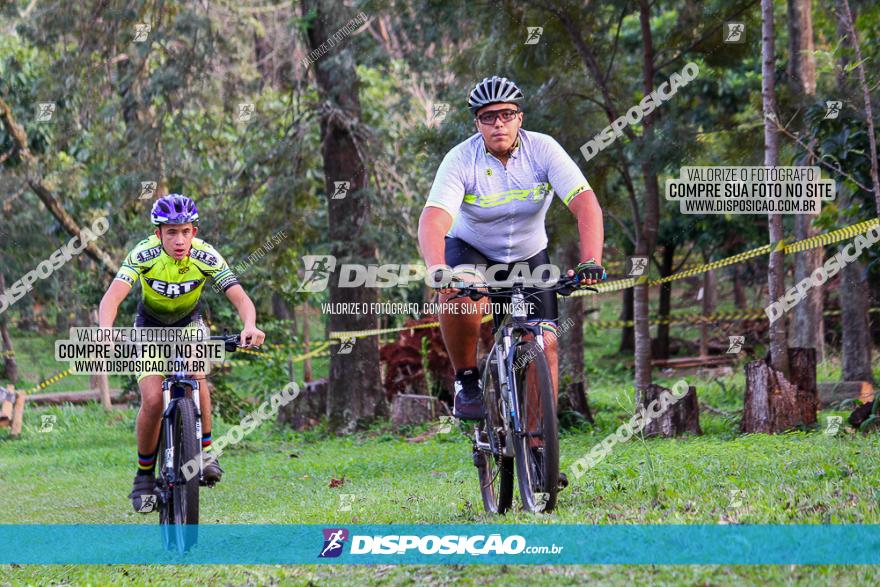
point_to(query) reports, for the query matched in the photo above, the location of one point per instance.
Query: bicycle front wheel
(180, 517)
(537, 440)
(494, 469)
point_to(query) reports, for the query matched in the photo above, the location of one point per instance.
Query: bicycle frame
(506, 334)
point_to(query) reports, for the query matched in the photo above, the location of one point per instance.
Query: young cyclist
(172, 266)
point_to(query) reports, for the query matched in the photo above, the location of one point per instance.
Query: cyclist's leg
(461, 328)
(196, 323)
(204, 402)
(149, 416)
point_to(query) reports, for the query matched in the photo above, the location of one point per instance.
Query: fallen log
(73, 397)
(838, 391)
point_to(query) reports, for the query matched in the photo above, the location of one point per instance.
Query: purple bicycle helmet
(174, 209)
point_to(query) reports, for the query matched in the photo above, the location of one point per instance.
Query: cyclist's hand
(465, 277)
(589, 272)
(252, 336)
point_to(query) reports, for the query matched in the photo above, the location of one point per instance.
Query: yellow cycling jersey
(171, 289)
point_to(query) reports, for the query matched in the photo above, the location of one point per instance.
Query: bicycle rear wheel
(537, 443)
(494, 469)
(179, 517)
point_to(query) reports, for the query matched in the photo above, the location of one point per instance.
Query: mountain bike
(180, 444)
(520, 426)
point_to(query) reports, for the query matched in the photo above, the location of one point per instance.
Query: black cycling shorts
(544, 308)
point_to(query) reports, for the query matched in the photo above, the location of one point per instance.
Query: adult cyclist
(172, 267)
(487, 207)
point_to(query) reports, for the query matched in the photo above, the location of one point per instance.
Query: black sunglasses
(491, 117)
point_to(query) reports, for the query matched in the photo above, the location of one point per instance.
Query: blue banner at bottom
(442, 544)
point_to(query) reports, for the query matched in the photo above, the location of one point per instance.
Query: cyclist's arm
(114, 295)
(591, 228)
(250, 334)
(434, 223)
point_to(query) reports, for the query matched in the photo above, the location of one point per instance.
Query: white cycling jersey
(500, 210)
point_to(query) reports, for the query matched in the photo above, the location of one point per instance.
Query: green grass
(81, 473)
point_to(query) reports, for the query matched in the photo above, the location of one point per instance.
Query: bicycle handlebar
(231, 342)
(564, 287)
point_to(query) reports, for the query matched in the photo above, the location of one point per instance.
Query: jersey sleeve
(563, 173)
(128, 271)
(448, 189)
(211, 263)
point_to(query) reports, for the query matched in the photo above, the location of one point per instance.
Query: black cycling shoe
(143, 494)
(468, 401)
(563, 481)
(211, 471)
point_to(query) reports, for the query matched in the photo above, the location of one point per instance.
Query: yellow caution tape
(50, 381)
(795, 247)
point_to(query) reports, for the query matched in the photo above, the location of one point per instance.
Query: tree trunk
(801, 63)
(572, 387)
(773, 403)
(854, 322)
(307, 341)
(349, 219)
(10, 366)
(710, 296)
(776, 272)
(642, 330)
(853, 291)
(662, 346)
(739, 289)
(280, 309)
(647, 233)
(308, 409)
(408, 409)
(99, 381)
(261, 54)
(627, 333)
(682, 416)
(806, 326)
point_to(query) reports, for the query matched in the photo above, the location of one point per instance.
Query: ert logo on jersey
(173, 290)
(206, 258)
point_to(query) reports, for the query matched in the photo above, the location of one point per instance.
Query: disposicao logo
(334, 539)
